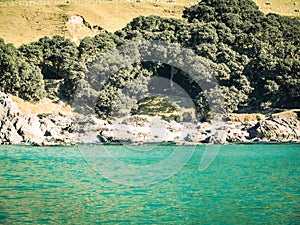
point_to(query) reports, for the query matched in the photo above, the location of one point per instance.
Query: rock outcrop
(284, 127)
(281, 127)
(16, 128)
(9, 114)
(56, 129)
(78, 28)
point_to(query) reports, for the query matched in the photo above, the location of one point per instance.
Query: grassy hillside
(23, 22)
(282, 7)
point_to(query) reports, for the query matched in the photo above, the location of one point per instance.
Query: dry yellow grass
(245, 117)
(293, 113)
(43, 106)
(25, 24)
(282, 7)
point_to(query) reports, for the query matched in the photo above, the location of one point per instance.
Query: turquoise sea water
(246, 184)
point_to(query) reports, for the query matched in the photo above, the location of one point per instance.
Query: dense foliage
(255, 58)
(17, 76)
(271, 43)
(57, 58)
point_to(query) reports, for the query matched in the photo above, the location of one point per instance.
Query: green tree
(58, 58)
(17, 76)
(91, 47)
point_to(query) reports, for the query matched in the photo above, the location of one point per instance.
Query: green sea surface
(245, 184)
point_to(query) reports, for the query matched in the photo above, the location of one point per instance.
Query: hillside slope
(21, 23)
(25, 24)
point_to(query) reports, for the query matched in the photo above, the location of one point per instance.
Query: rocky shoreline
(59, 129)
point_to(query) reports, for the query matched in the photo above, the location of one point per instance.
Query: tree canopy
(19, 77)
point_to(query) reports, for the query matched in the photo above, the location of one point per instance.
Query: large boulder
(57, 129)
(9, 113)
(29, 128)
(8, 133)
(8, 108)
(281, 127)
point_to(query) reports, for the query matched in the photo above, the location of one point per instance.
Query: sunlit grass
(25, 24)
(22, 22)
(43, 106)
(282, 7)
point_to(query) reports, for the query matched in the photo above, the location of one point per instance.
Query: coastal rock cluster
(58, 129)
(283, 127)
(16, 128)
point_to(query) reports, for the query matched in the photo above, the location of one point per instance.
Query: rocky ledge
(59, 129)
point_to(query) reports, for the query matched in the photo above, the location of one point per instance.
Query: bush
(19, 77)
